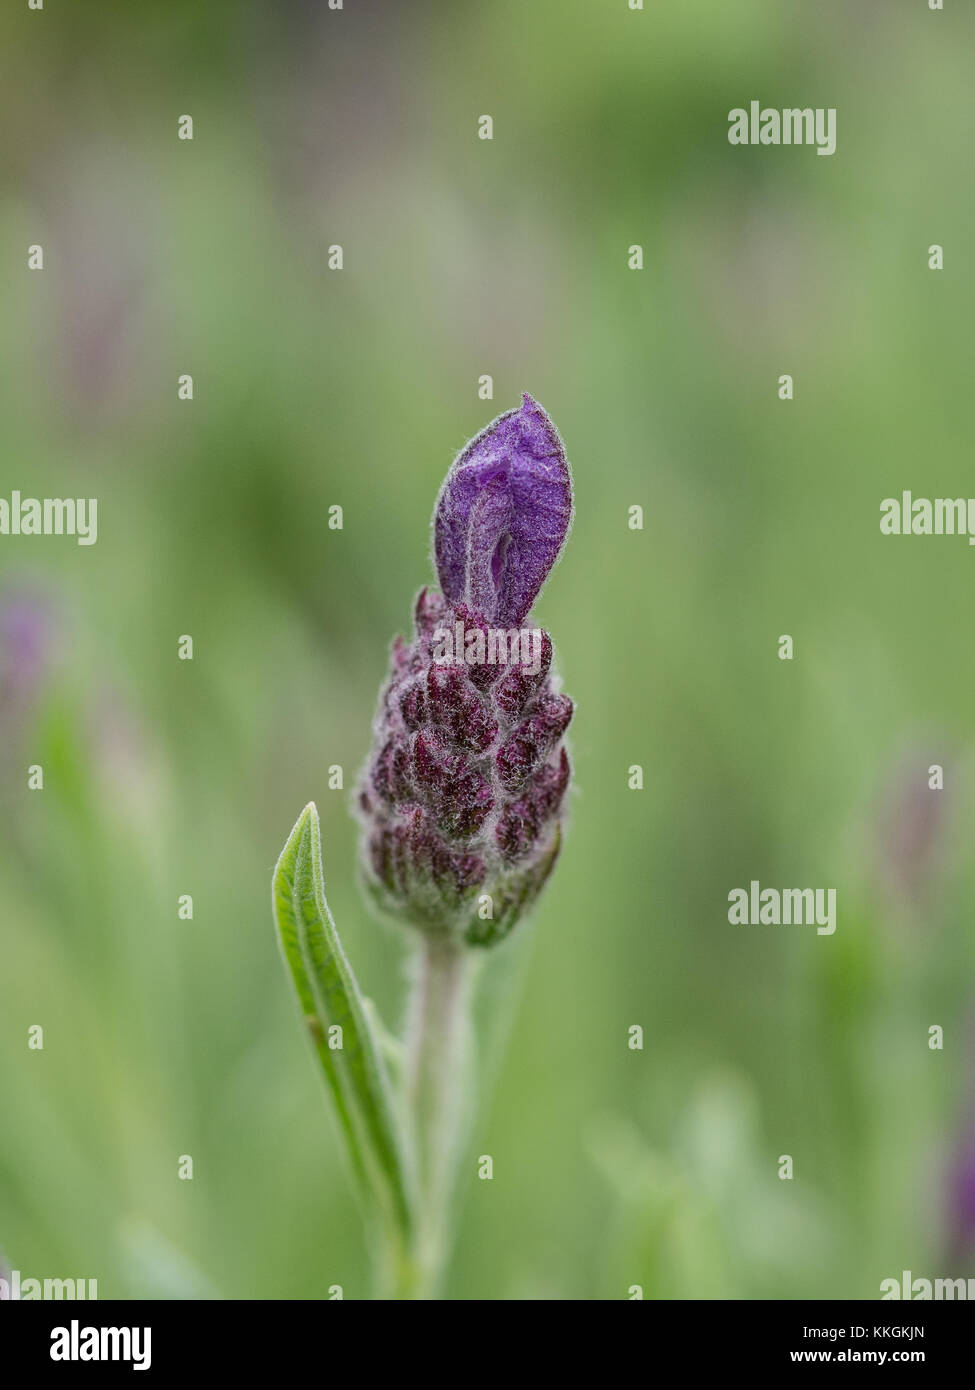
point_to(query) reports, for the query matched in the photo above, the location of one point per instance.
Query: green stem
(438, 1097)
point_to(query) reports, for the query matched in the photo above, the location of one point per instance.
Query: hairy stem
(438, 1097)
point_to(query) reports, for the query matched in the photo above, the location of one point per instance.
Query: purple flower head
(26, 635)
(503, 515)
(912, 829)
(959, 1177)
(961, 1193)
(461, 799)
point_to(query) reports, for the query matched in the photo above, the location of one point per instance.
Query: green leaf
(328, 995)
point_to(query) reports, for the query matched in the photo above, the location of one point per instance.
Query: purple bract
(503, 515)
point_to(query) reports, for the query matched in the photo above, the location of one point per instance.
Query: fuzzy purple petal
(503, 515)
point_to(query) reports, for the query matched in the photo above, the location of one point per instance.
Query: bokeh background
(314, 388)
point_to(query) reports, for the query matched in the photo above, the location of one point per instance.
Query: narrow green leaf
(328, 995)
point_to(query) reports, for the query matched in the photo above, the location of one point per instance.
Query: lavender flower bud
(461, 799)
(503, 514)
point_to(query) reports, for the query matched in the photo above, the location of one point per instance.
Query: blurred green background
(314, 388)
